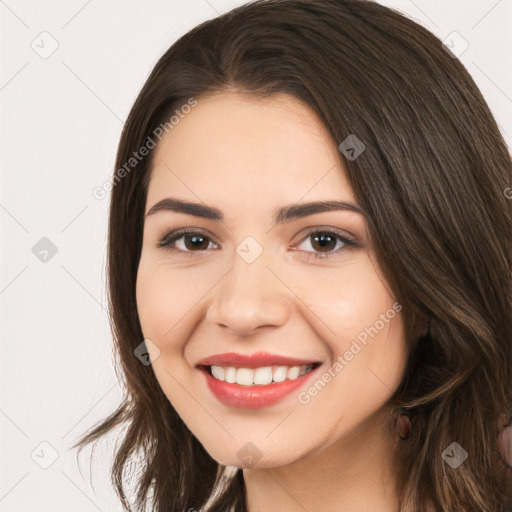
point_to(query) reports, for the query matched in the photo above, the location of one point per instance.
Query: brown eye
(323, 241)
(192, 242)
(326, 243)
(186, 242)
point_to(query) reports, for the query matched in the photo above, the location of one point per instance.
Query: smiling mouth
(260, 376)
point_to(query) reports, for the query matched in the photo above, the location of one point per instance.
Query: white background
(61, 118)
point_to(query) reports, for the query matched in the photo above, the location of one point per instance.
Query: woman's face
(263, 274)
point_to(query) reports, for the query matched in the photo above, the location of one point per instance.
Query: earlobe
(403, 426)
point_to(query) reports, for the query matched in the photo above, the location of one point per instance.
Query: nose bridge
(249, 296)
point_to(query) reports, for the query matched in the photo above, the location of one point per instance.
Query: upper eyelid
(328, 229)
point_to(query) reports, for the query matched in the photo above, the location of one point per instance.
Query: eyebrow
(281, 215)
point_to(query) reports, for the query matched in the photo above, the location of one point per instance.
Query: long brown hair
(432, 179)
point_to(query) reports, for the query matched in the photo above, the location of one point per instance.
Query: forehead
(234, 147)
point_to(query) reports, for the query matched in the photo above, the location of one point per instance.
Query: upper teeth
(259, 376)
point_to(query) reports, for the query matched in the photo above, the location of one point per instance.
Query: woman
(309, 266)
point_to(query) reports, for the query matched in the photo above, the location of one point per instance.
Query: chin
(247, 454)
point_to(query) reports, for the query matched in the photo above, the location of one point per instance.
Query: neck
(353, 474)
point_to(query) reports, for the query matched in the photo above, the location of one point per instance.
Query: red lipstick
(256, 396)
(255, 360)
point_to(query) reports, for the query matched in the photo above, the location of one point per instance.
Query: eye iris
(195, 239)
(324, 239)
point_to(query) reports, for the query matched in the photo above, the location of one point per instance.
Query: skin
(246, 156)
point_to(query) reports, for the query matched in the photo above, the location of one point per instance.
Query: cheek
(357, 318)
(156, 303)
(169, 301)
(346, 299)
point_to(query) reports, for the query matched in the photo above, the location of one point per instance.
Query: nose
(249, 297)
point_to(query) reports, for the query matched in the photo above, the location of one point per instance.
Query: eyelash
(169, 240)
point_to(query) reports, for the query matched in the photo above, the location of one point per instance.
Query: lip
(253, 397)
(258, 359)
